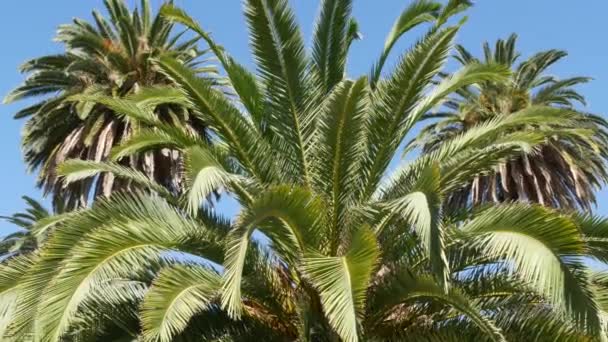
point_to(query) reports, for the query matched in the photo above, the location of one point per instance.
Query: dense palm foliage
(565, 171)
(24, 240)
(330, 244)
(110, 56)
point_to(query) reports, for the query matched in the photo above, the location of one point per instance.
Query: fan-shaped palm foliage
(350, 252)
(110, 56)
(565, 171)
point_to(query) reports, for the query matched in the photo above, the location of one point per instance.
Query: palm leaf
(205, 175)
(418, 12)
(280, 56)
(408, 287)
(422, 208)
(75, 170)
(226, 119)
(330, 42)
(244, 82)
(300, 217)
(10, 274)
(342, 146)
(342, 282)
(135, 234)
(538, 244)
(177, 295)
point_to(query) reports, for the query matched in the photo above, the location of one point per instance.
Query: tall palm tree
(110, 56)
(349, 250)
(565, 171)
(24, 240)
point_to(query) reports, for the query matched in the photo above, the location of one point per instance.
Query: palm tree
(330, 244)
(565, 171)
(113, 57)
(25, 239)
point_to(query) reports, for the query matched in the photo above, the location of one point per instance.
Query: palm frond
(279, 52)
(244, 82)
(342, 282)
(418, 12)
(300, 217)
(330, 42)
(115, 247)
(342, 142)
(538, 245)
(75, 170)
(226, 119)
(205, 175)
(408, 287)
(422, 208)
(176, 296)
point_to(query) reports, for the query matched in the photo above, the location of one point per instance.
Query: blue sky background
(28, 26)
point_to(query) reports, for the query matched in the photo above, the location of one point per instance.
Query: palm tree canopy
(565, 171)
(110, 56)
(352, 250)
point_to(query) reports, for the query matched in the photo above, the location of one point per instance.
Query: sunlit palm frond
(176, 296)
(415, 14)
(343, 281)
(279, 52)
(331, 42)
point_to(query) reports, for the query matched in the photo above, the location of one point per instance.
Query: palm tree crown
(113, 57)
(352, 250)
(565, 171)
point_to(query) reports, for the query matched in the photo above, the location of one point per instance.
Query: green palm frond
(300, 217)
(150, 139)
(330, 42)
(27, 238)
(205, 175)
(112, 249)
(243, 81)
(76, 170)
(221, 115)
(418, 12)
(278, 48)
(343, 281)
(539, 246)
(342, 145)
(595, 232)
(176, 296)
(397, 114)
(422, 209)
(554, 175)
(11, 273)
(453, 153)
(452, 8)
(407, 287)
(400, 93)
(110, 311)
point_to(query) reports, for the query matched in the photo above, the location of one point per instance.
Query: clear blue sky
(28, 26)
